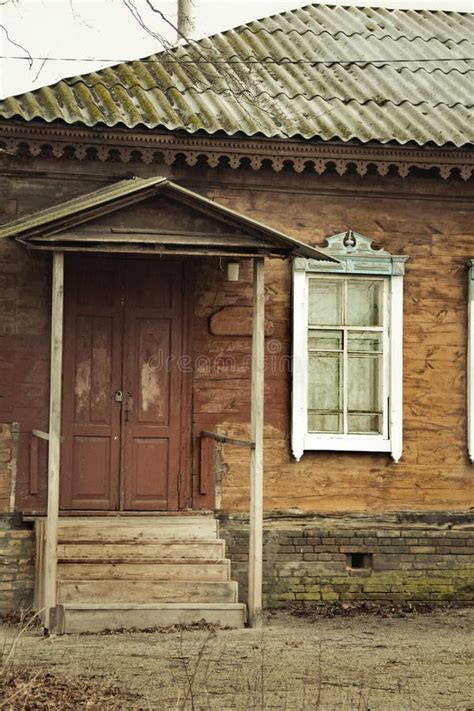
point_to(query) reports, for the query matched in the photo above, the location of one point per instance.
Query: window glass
(345, 349)
(325, 302)
(325, 392)
(365, 341)
(325, 340)
(363, 393)
(364, 302)
(365, 424)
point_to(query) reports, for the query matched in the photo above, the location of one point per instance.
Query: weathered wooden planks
(145, 591)
(172, 548)
(76, 618)
(110, 530)
(107, 564)
(151, 569)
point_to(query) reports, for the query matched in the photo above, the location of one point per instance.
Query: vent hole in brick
(359, 561)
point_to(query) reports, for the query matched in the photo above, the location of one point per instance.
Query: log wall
(428, 219)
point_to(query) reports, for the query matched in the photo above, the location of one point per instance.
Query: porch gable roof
(54, 227)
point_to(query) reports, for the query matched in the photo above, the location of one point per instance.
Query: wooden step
(145, 591)
(178, 570)
(137, 529)
(122, 534)
(207, 549)
(77, 618)
(198, 520)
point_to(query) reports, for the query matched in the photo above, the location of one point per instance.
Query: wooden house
(235, 336)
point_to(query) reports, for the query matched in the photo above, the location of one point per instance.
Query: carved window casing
(347, 349)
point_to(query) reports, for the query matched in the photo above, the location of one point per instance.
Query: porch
(123, 444)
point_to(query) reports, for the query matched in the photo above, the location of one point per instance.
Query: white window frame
(356, 257)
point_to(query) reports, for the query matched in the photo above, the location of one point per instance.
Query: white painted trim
(256, 454)
(299, 363)
(396, 366)
(54, 441)
(347, 443)
(386, 350)
(392, 438)
(470, 363)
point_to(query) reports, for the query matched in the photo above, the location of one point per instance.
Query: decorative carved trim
(356, 255)
(63, 141)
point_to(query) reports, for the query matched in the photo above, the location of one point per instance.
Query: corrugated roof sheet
(318, 72)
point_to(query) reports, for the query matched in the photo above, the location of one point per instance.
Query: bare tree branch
(77, 16)
(16, 44)
(137, 16)
(40, 69)
(233, 79)
(204, 65)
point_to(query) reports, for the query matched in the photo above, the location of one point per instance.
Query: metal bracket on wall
(228, 440)
(209, 454)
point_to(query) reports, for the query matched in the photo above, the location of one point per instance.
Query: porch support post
(50, 560)
(256, 455)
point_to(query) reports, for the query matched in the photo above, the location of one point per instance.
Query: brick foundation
(5, 466)
(309, 559)
(17, 548)
(388, 558)
(17, 564)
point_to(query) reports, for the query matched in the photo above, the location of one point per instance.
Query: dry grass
(24, 688)
(341, 657)
(34, 690)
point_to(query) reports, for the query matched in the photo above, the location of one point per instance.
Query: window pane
(364, 387)
(325, 340)
(365, 424)
(324, 382)
(325, 392)
(364, 341)
(364, 303)
(332, 424)
(325, 302)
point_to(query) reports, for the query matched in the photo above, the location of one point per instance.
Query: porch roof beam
(158, 250)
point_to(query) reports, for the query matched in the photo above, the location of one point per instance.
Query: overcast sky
(68, 37)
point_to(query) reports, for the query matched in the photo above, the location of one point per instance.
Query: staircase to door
(139, 572)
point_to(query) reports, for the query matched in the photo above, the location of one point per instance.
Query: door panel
(153, 345)
(92, 373)
(149, 481)
(91, 460)
(154, 378)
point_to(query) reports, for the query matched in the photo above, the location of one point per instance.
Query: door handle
(118, 396)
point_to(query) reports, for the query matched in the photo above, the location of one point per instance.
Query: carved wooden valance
(148, 147)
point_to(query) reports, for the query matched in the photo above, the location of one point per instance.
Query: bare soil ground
(400, 662)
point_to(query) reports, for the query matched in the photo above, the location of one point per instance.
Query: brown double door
(124, 399)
